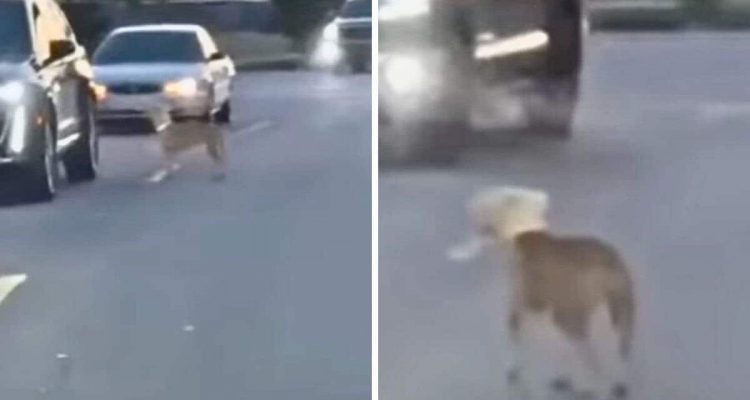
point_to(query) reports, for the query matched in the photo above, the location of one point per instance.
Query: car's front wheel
(38, 179)
(224, 115)
(81, 161)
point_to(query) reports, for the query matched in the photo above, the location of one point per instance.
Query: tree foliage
(302, 18)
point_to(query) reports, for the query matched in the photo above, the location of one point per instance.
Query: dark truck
(452, 67)
(355, 34)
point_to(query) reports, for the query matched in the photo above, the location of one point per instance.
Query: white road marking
(161, 174)
(255, 127)
(8, 283)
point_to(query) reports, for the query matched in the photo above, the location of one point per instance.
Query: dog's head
(499, 214)
(505, 212)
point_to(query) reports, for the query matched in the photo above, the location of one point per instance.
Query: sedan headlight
(100, 91)
(187, 87)
(405, 75)
(12, 93)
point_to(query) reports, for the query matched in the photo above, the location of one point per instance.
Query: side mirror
(59, 49)
(218, 56)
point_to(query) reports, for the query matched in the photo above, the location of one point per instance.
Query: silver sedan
(176, 70)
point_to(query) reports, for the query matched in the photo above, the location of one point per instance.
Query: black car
(453, 68)
(355, 34)
(47, 101)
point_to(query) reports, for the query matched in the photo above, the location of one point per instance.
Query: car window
(357, 9)
(149, 47)
(14, 29)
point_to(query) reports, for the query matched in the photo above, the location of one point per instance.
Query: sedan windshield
(357, 9)
(16, 43)
(149, 47)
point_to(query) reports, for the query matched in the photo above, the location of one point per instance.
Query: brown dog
(179, 137)
(572, 317)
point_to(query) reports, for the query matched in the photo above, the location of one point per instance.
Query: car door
(220, 69)
(60, 76)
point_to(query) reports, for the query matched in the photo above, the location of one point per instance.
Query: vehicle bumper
(122, 107)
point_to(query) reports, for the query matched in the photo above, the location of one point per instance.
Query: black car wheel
(224, 115)
(359, 66)
(82, 160)
(38, 179)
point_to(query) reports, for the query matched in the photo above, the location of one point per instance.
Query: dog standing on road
(572, 316)
(179, 137)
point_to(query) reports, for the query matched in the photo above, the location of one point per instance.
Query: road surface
(656, 166)
(257, 287)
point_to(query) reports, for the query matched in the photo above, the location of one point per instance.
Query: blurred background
(257, 33)
(669, 14)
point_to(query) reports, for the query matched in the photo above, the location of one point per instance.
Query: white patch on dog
(470, 249)
(509, 211)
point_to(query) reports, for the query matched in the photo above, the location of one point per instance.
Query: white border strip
(375, 382)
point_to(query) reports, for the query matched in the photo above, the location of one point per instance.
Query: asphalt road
(656, 166)
(257, 287)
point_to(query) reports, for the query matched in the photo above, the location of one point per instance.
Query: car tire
(38, 179)
(81, 161)
(224, 115)
(565, 25)
(358, 66)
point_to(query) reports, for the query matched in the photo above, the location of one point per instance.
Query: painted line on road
(8, 283)
(160, 175)
(256, 127)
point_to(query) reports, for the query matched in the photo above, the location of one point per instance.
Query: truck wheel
(358, 65)
(565, 25)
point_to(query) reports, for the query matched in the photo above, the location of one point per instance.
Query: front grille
(357, 33)
(135, 88)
